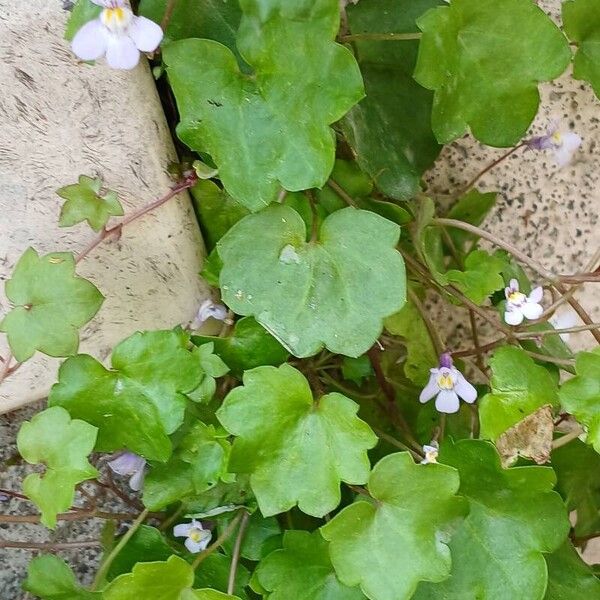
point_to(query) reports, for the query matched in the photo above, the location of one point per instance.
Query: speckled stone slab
(61, 119)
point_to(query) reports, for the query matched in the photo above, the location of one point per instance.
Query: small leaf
(197, 464)
(482, 275)
(63, 446)
(208, 594)
(529, 438)
(85, 203)
(147, 544)
(519, 388)
(581, 20)
(569, 578)
(333, 293)
(356, 369)
(577, 467)
(50, 305)
(390, 129)
(197, 19)
(303, 450)
(141, 400)
(250, 345)
(302, 569)
(50, 578)
(389, 545)
(170, 580)
(580, 395)
(211, 269)
(260, 534)
(261, 136)
(83, 11)
(217, 211)
(473, 80)
(421, 356)
(514, 517)
(472, 208)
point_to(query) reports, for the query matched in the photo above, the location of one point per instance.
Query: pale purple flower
(209, 310)
(130, 465)
(563, 144)
(197, 538)
(520, 306)
(431, 453)
(117, 34)
(447, 384)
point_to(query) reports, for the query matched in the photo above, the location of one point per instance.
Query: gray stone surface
(61, 119)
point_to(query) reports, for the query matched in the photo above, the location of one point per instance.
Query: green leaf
(217, 211)
(50, 305)
(84, 202)
(302, 569)
(83, 11)
(356, 369)
(303, 450)
(472, 79)
(481, 276)
(310, 295)
(270, 130)
(472, 208)
(213, 19)
(581, 20)
(577, 468)
(260, 535)
(208, 594)
(569, 578)
(348, 175)
(390, 129)
(170, 580)
(62, 445)
(211, 269)
(215, 573)
(197, 464)
(212, 367)
(514, 517)
(248, 346)
(421, 355)
(138, 402)
(549, 345)
(389, 545)
(147, 544)
(580, 395)
(518, 388)
(50, 578)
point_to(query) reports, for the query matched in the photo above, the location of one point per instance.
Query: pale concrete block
(61, 119)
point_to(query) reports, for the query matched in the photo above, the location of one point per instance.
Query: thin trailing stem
(115, 230)
(487, 169)
(525, 260)
(381, 37)
(75, 515)
(562, 362)
(314, 229)
(391, 407)
(357, 489)
(235, 557)
(105, 566)
(394, 442)
(431, 329)
(49, 546)
(168, 14)
(568, 437)
(219, 541)
(341, 192)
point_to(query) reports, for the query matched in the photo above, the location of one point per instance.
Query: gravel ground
(14, 561)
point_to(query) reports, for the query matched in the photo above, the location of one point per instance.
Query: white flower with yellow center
(563, 144)
(117, 34)
(431, 453)
(520, 306)
(447, 384)
(197, 538)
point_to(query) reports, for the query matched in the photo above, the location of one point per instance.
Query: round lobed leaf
(334, 292)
